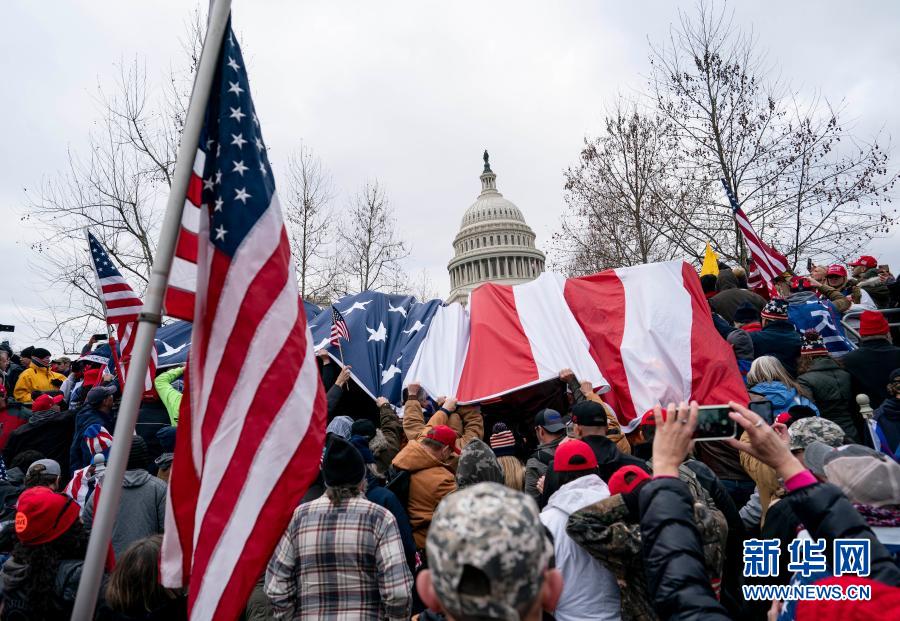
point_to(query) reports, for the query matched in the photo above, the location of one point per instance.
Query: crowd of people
(429, 511)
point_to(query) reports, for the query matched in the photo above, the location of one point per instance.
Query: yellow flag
(710, 262)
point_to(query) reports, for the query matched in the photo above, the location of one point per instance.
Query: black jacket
(51, 437)
(830, 388)
(888, 418)
(870, 366)
(609, 459)
(730, 297)
(780, 339)
(673, 553)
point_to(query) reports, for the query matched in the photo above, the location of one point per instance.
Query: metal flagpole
(150, 317)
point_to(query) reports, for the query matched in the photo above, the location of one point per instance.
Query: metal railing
(891, 314)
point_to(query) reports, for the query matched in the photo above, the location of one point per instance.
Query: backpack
(398, 483)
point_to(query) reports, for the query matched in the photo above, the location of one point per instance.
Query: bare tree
(779, 158)
(116, 188)
(371, 249)
(309, 220)
(626, 204)
(422, 286)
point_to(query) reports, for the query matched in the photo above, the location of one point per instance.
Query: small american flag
(769, 262)
(338, 328)
(250, 435)
(121, 306)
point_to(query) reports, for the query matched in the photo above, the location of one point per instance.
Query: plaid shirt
(341, 564)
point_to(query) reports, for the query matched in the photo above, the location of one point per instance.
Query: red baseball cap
(445, 435)
(626, 478)
(873, 323)
(574, 455)
(45, 402)
(649, 418)
(865, 261)
(43, 515)
(836, 270)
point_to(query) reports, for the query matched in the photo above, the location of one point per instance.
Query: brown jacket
(466, 421)
(764, 476)
(430, 480)
(388, 438)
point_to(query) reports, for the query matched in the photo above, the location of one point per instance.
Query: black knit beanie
(138, 458)
(342, 464)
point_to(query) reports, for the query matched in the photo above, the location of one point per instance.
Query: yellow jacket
(35, 378)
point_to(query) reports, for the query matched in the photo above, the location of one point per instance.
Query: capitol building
(494, 243)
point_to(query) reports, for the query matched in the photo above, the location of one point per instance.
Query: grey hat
(818, 455)
(97, 394)
(51, 467)
(808, 430)
(865, 479)
(477, 464)
(487, 551)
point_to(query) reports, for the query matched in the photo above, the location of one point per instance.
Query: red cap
(445, 435)
(92, 377)
(45, 402)
(574, 455)
(865, 261)
(43, 515)
(626, 478)
(649, 418)
(783, 418)
(873, 323)
(836, 270)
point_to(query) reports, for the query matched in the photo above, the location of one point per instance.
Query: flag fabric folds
(252, 422)
(121, 306)
(768, 262)
(641, 335)
(710, 262)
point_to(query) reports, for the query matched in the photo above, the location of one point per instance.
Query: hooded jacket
(35, 378)
(168, 394)
(887, 426)
(430, 480)
(832, 391)
(142, 509)
(778, 338)
(730, 297)
(13, 577)
(537, 464)
(781, 396)
(589, 590)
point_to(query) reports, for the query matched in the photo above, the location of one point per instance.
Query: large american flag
(121, 305)
(769, 262)
(251, 432)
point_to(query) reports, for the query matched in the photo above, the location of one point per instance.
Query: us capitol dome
(494, 243)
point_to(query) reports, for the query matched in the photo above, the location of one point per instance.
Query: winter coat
(887, 427)
(52, 437)
(13, 416)
(170, 397)
(430, 480)
(831, 390)
(781, 396)
(15, 604)
(780, 339)
(79, 453)
(613, 429)
(537, 464)
(730, 297)
(142, 509)
(673, 551)
(388, 438)
(589, 590)
(870, 366)
(380, 495)
(466, 421)
(35, 378)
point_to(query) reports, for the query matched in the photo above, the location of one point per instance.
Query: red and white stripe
(179, 301)
(770, 263)
(648, 328)
(250, 435)
(77, 488)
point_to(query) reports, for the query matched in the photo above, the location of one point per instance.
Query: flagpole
(150, 317)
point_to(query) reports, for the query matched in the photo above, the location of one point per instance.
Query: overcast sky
(410, 93)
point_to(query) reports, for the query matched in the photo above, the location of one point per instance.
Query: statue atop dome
(494, 243)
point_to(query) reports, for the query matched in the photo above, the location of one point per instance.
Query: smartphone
(99, 337)
(810, 265)
(713, 423)
(763, 409)
(7, 328)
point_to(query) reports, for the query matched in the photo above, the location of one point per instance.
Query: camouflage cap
(487, 551)
(477, 464)
(815, 428)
